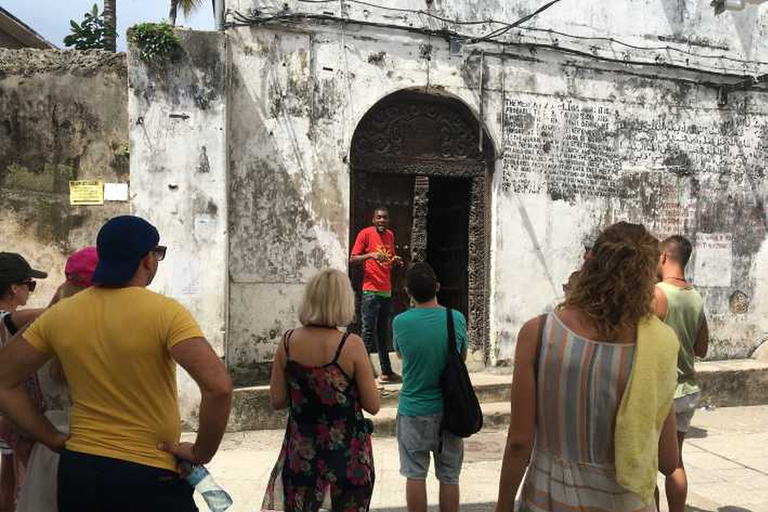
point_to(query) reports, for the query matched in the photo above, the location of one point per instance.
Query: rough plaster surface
(63, 116)
(580, 143)
(179, 175)
(690, 28)
(28, 62)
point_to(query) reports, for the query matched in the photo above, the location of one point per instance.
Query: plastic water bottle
(217, 499)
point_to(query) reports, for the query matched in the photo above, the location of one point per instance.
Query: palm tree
(110, 25)
(187, 7)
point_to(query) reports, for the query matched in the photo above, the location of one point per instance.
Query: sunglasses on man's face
(160, 251)
(31, 285)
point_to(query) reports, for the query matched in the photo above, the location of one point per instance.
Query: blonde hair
(328, 300)
(615, 285)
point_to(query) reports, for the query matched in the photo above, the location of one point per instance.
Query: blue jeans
(375, 311)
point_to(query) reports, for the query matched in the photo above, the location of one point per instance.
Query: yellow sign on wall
(86, 192)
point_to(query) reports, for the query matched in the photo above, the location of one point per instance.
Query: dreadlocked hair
(615, 285)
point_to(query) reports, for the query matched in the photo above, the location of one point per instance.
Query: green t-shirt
(685, 311)
(421, 338)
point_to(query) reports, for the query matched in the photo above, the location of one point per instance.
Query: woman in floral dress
(324, 376)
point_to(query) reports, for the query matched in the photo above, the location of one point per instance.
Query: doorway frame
(478, 167)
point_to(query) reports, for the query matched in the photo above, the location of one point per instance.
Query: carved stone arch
(412, 133)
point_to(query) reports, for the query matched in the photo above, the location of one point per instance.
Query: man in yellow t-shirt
(119, 344)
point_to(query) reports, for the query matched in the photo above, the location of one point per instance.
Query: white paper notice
(205, 227)
(714, 259)
(186, 277)
(115, 191)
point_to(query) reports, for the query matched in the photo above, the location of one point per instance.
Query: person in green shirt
(421, 341)
(679, 305)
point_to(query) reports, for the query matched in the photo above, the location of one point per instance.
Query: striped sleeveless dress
(580, 383)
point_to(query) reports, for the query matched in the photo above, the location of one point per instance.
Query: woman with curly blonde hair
(572, 368)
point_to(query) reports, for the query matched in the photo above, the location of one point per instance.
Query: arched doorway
(426, 159)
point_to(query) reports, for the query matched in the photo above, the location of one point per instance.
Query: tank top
(685, 310)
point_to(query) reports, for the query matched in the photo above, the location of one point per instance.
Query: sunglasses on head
(160, 251)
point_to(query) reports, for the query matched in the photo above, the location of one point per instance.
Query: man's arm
(358, 251)
(197, 357)
(22, 317)
(18, 360)
(701, 346)
(359, 258)
(659, 303)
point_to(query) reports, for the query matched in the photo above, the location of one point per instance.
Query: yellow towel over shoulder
(644, 407)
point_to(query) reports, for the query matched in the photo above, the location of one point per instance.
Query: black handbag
(462, 415)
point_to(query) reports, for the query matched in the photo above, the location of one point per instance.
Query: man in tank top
(680, 306)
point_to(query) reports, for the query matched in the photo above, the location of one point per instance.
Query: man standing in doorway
(421, 341)
(680, 306)
(119, 344)
(375, 249)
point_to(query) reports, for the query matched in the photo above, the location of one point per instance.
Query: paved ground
(727, 460)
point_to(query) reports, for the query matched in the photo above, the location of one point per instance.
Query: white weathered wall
(179, 180)
(580, 141)
(315, 86)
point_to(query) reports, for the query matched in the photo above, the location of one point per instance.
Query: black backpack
(462, 415)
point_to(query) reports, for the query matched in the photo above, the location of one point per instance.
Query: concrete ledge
(733, 383)
(495, 414)
(251, 409)
(723, 384)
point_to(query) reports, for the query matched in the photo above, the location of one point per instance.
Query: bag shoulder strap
(451, 331)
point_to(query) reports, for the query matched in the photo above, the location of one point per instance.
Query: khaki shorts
(685, 406)
(417, 437)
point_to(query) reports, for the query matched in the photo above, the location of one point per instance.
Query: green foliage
(89, 34)
(156, 42)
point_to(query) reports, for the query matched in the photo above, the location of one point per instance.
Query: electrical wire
(499, 32)
(643, 48)
(493, 36)
(408, 11)
(450, 34)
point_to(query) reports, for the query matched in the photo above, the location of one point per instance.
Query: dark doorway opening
(448, 239)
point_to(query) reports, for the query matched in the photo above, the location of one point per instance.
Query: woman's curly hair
(615, 285)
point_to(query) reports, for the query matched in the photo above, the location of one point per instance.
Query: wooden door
(448, 239)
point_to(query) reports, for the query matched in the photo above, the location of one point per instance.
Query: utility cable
(450, 34)
(499, 32)
(493, 36)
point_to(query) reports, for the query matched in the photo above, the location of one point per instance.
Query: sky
(50, 18)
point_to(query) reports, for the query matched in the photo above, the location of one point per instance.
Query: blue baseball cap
(122, 243)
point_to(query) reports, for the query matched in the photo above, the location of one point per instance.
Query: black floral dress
(327, 446)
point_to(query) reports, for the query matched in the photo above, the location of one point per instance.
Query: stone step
(723, 384)
(733, 383)
(495, 415)
(251, 409)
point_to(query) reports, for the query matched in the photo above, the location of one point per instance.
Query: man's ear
(437, 287)
(146, 261)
